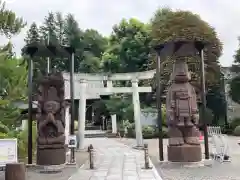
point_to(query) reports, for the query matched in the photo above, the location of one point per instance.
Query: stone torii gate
(84, 92)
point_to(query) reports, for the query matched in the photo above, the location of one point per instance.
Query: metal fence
(219, 146)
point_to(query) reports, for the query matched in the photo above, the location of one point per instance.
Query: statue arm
(170, 107)
(195, 112)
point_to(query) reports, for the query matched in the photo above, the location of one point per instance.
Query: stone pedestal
(51, 156)
(185, 153)
(15, 171)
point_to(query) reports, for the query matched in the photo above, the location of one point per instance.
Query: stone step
(92, 128)
(95, 134)
(111, 135)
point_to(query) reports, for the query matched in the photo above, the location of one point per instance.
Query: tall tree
(72, 37)
(39, 64)
(59, 23)
(89, 46)
(48, 29)
(129, 45)
(168, 25)
(13, 86)
(94, 45)
(10, 24)
(94, 42)
(235, 82)
(48, 34)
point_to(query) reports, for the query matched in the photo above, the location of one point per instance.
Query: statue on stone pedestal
(182, 116)
(50, 121)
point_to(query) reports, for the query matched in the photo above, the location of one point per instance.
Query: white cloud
(103, 14)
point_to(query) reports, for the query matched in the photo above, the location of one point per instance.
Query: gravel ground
(171, 171)
(81, 158)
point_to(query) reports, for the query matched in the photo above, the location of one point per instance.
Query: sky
(223, 15)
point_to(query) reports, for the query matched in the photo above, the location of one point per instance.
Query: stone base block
(15, 171)
(185, 153)
(51, 156)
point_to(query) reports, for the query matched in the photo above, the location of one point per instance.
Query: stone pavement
(218, 171)
(115, 161)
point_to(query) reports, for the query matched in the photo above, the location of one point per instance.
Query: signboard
(8, 151)
(72, 141)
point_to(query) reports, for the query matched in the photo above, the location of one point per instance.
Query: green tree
(10, 24)
(94, 42)
(216, 102)
(73, 37)
(39, 63)
(168, 25)
(59, 23)
(235, 82)
(94, 45)
(234, 89)
(48, 29)
(48, 35)
(129, 46)
(13, 86)
(236, 63)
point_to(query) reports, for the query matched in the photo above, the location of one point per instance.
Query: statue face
(180, 71)
(51, 106)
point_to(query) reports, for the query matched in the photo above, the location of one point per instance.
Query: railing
(219, 148)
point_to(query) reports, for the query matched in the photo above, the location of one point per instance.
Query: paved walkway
(115, 161)
(218, 171)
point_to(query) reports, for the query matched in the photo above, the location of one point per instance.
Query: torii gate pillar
(137, 113)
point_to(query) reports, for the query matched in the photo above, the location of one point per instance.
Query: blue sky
(103, 14)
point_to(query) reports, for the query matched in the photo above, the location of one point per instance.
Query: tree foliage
(235, 82)
(13, 87)
(64, 30)
(10, 24)
(235, 89)
(168, 25)
(129, 48)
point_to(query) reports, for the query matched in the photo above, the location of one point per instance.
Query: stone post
(24, 124)
(114, 123)
(67, 125)
(15, 171)
(109, 84)
(137, 113)
(82, 113)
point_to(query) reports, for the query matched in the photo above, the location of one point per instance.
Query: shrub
(131, 131)
(236, 131)
(164, 131)
(126, 124)
(22, 137)
(235, 122)
(148, 132)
